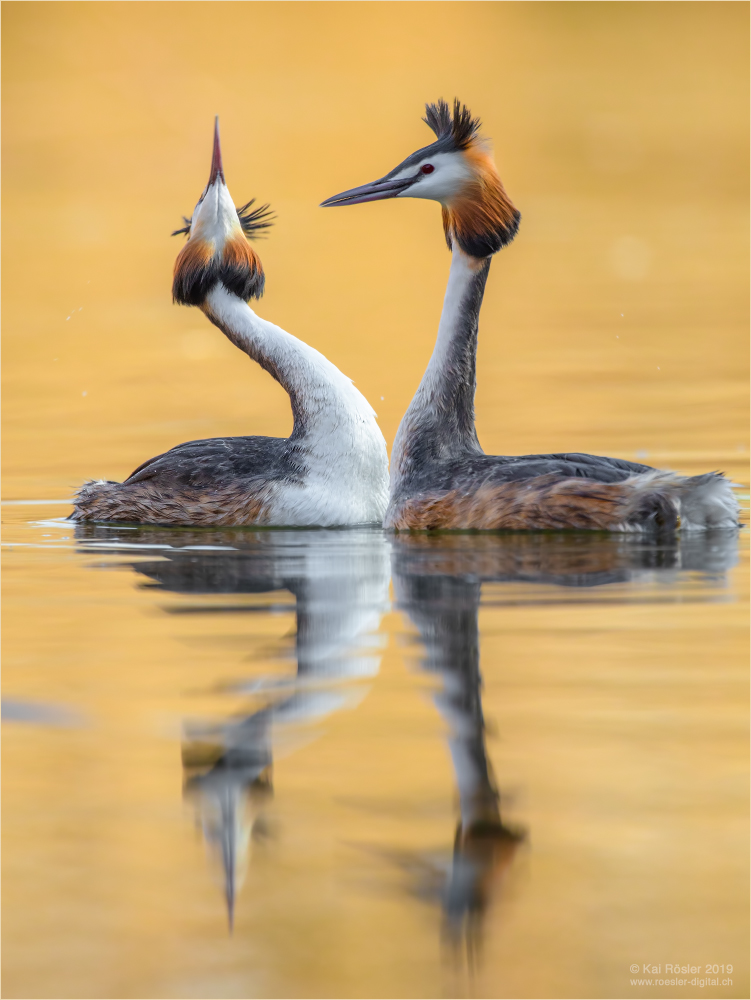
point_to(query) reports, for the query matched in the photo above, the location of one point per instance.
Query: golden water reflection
(311, 763)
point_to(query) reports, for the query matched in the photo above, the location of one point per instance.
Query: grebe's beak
(386, 187)
(217, 171)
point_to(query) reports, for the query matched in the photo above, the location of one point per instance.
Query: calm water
(515, 772)
(461, 766)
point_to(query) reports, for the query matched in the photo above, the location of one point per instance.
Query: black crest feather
(459, 126)
(254, 222)
(186, 228)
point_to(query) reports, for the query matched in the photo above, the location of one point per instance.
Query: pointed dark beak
(375, 191)
(217, 171)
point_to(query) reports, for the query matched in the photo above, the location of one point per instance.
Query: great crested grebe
(333, 468)
(440, 476)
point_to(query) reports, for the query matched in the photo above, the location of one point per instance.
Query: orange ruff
(542, 502)
(483, 206)
(198, 254)
(240, 254)
(143, 502)
(194, 257)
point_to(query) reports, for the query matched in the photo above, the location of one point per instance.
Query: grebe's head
(218, 249)
(458, 171)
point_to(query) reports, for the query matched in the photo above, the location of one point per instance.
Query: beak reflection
(337, 587)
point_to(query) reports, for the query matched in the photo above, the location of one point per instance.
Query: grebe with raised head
(440, 476)
(333, 468)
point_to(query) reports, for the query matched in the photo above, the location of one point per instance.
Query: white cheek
(449, 177)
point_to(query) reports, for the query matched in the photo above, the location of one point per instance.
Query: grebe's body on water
(440, 476)
(332, 470)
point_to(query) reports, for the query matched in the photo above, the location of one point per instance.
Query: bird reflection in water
(227, 774)
(437, 584)
(339, 580)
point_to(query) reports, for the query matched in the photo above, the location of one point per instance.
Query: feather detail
(649, 501)
(482, 218)
(460, 126)
(253, 222)
(98, 500)
(256, 221)
(199, 267)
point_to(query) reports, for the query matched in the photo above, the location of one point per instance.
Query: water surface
(256, 770)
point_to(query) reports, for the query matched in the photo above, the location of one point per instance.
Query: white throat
(215, 216)
(461, 276)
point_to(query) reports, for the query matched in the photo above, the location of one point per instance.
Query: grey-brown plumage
(209, 482)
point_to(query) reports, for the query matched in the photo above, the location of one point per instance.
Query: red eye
(427, 168)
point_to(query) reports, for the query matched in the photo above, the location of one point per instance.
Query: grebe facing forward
(332, 470)
(440, 476)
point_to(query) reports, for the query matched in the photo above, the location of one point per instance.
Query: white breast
(346, 480)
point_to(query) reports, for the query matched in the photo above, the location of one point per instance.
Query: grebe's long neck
(440, 421)
(444, 609)
(325, 404)
(335, 444)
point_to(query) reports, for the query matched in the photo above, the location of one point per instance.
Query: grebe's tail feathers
(700, 502)
(708, 501)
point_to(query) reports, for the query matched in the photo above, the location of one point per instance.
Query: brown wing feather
(543, 502)
(147, 504)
